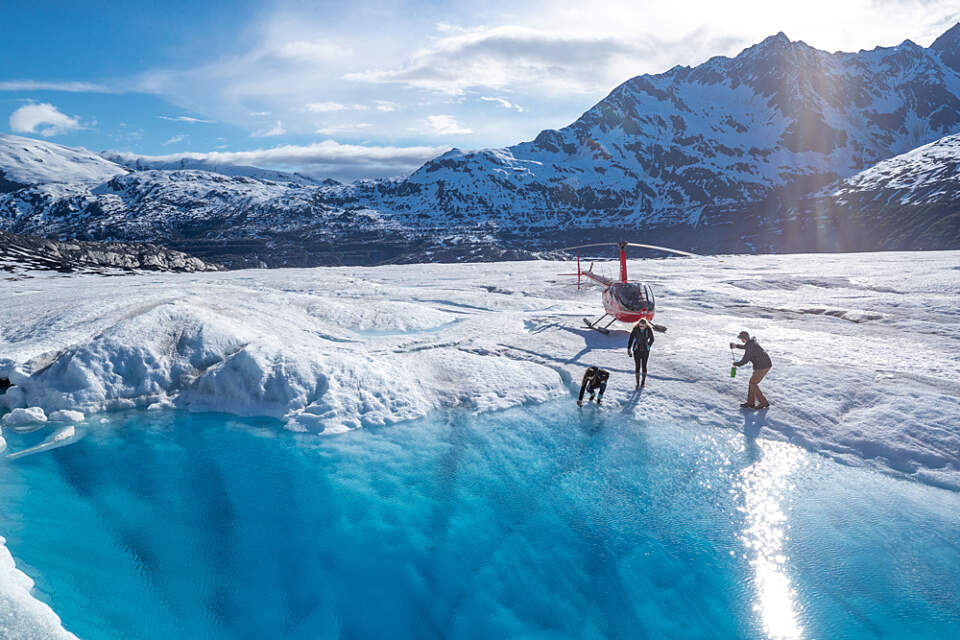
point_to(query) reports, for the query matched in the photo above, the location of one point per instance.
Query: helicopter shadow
(575, 359)
(617, 339)
(593, 340)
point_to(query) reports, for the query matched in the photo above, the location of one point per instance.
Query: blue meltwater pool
(541, 522)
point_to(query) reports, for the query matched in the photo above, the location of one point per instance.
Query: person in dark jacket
(638, 346)
(594, 378)
(755, 355)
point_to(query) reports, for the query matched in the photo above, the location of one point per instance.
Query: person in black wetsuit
(594, 378)
(638, 346)
(755, 355)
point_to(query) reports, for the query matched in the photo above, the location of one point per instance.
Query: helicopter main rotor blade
(667, 249)
(587, 246)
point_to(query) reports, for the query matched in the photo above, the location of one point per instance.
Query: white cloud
(550, 56)
(446, 125)
(175, 139)
(351, 127)
(187, 119)
(327, 158)
(42, 118)
(506, 57)
(73, 87)
(325, 107)
(309, 51)
(276, 130)
(503, 102)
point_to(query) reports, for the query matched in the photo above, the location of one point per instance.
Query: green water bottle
(733, 372)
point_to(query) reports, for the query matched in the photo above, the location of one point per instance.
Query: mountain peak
(948, 46)
(775, 43)
(779, 39)
(949, 38)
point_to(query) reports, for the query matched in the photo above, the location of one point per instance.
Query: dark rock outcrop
(27, 252)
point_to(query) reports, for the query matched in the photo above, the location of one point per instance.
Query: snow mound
(24, 416)
(66, 415)
(28, 162)
(252, 355)
(23, 617)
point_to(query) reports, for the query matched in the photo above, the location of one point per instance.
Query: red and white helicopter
(625, 301)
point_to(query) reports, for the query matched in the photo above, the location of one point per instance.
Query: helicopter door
(648, 294)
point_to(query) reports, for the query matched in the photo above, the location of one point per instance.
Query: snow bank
(23, 617)
(321, 361)
(19, 417)
(66, 415)
(866, 347)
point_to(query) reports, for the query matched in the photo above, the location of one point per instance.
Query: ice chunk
(160, 405)
(66, 415)
(60, 438)
(21, 615)
(23, 417)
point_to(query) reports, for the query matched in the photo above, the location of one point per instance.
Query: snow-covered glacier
(865, 372)
(864, 346)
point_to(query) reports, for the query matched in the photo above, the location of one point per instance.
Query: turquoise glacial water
(541, 522)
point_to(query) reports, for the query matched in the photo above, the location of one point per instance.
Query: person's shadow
(753, 421)
(632, 401)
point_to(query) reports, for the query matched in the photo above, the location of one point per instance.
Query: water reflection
(765, 487)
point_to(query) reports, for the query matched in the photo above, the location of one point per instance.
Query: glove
(579, 403)
(733, 345)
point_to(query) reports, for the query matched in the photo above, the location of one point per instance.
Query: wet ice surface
(545, 522)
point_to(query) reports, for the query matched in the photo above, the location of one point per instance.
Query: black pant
(640, 359)
(594, 378)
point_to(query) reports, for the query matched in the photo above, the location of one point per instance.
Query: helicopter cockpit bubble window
(635, 297)
(648, 292)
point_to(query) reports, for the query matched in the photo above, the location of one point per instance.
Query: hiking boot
(746, 405)
(763, 406)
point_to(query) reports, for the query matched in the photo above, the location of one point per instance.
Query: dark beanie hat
(743, 335)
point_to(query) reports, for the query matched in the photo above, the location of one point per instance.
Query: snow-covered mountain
(924, 175)
(736, 154)
(26, 162)
(141, 163)
(671, 148)
(910, 200)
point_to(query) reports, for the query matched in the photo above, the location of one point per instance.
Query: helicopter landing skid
(595, 324)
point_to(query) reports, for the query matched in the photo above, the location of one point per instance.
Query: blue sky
(374, 88)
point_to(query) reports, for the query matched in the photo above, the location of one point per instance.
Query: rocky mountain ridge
(25, 252)
(752, 153)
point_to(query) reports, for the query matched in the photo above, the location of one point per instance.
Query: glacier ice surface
(865, 346)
